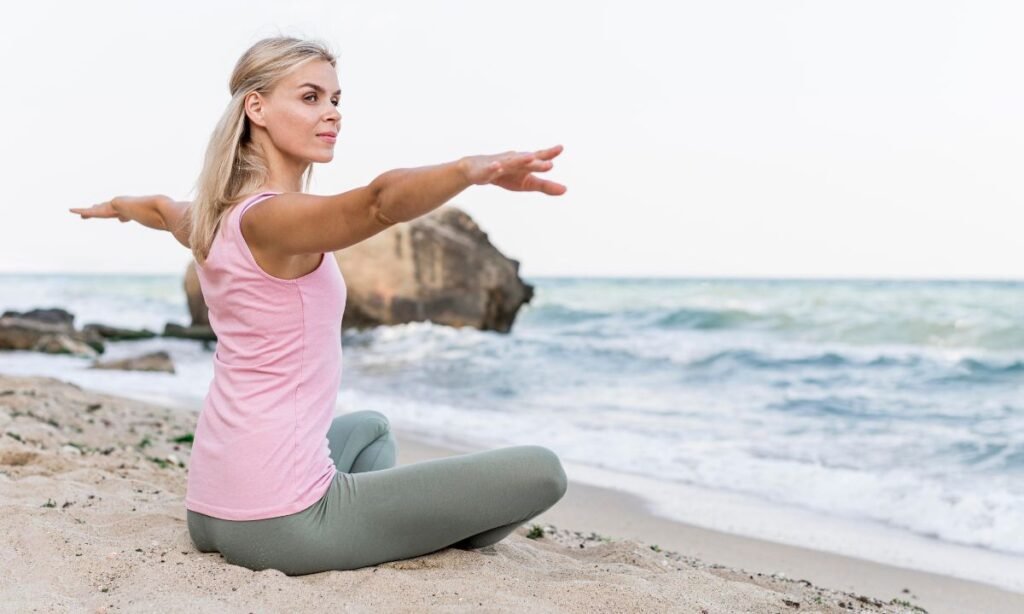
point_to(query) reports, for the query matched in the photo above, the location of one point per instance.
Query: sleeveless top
(260, 445)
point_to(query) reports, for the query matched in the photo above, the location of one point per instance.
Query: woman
(273, 480)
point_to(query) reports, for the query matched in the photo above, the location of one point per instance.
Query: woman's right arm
(296, 223)
(157, 211)
(142, 209)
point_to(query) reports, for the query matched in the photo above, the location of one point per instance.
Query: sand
(92, 519)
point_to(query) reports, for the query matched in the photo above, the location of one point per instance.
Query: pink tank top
(260, 445)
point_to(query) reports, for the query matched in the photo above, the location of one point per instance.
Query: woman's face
(300, 114)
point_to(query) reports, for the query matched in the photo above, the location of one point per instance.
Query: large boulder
(440, 267)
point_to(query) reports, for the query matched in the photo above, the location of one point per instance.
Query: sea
(881, 419)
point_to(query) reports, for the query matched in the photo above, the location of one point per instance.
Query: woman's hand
(513, 170)
(104, 209)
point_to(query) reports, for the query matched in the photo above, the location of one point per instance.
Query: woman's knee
(378, 420)
(551, 474)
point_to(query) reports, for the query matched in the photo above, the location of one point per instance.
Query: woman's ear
(253, 107)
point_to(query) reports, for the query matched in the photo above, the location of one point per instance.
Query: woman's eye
(308, 96)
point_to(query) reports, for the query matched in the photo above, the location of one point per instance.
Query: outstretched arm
(297, 223)
(157, 211)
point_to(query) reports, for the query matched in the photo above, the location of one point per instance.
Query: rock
(46, 330)
(17, 333)
(117, 334)
(153, 361)
(440, 268)
(55, 316)
(59, 343)
(91, 337)
(201, 333)
(194, 294)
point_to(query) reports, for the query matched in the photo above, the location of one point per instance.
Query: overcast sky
(735, 138)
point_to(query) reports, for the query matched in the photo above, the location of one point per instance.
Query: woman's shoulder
(247, 198)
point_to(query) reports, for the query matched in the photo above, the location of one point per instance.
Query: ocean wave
(787, 317)
(860, 407)
(712, 319)
(977, 371)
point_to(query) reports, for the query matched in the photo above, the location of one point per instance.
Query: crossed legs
(375, 512)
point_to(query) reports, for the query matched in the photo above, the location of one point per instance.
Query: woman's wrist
(462, 164)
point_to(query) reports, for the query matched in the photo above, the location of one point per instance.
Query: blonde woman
(275, 480)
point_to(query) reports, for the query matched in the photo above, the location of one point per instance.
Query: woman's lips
(327, 137)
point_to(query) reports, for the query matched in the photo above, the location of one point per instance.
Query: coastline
(103, 514)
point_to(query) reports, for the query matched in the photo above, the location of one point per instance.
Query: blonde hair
(234, 165)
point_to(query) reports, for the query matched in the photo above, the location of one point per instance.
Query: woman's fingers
(551, 188)
(513, 170)
(536, 184)
(528, 162)
(100, 210)
(549, 153)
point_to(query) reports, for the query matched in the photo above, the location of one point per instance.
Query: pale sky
(733, 138)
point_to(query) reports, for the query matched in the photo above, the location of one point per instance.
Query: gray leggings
(374, 511)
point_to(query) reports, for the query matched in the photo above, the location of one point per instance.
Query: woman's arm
(405, 194)
(295, 223)
(157, 211)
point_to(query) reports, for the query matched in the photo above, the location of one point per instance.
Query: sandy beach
(93, 519)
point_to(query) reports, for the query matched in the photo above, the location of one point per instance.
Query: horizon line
(636, 277)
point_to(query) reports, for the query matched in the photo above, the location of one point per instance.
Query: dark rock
(117, 334)
(201, 333)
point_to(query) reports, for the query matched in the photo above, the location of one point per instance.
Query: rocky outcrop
(53, 331)
(440, 267)
(47, 330)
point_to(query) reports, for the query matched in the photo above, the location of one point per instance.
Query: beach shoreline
(75, 453)
(623, 515)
